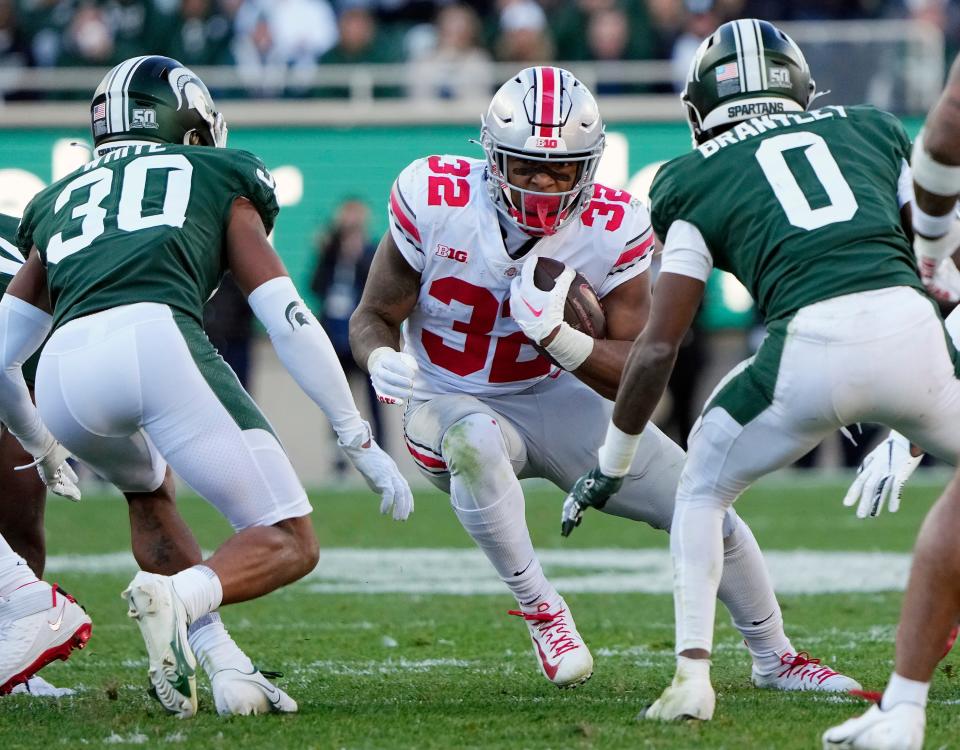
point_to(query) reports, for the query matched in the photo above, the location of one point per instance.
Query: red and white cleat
(561, 653)
(801, 672)
(39, 623)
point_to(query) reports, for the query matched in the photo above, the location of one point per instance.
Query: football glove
(382, 476)
(392, 374)
(592, 490)
(55, 472)
(881, 476)
(538, 313)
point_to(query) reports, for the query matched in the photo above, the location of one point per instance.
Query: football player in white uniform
(453, 278)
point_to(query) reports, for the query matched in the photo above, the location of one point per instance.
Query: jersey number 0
(175, 173)
(841, 205)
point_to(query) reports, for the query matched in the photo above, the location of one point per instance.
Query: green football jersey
(799, 207)
(10, 262)
(143, 223)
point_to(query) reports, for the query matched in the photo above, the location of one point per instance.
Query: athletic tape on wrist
(929, 225)
(570, 348)
(617, 452)
(930, 174)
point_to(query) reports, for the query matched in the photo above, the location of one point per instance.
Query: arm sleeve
(307, 354)
(23, 329)
(636, 254)
(402, 210)
(685, 252)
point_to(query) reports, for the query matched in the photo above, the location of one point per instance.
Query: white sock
(747, 592)
(902, 690)
(214, 648)
(199, 589)
(696, 546)
(14, 571)
(487, 498)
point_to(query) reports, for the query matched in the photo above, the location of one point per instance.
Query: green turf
(429, 671)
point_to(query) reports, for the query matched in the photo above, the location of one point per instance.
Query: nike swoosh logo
(551, 671)
(521, 572)
(55, 626)
(536, 313)
(760, 622)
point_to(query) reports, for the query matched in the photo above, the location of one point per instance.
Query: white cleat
(237, 693)
(687, 697)
(898, 728)
(39, 623)
(40, 688)
(800, 672)
(155, 606)
(561, 653)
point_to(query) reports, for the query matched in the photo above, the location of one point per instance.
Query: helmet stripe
(760, 54)
(117, 94)
(750, 52)
(548, 101)
(735, 29)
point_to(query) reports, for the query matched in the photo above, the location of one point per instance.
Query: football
(583, 310)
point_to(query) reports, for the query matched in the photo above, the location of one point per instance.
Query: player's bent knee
(472, 445)
(302, 550)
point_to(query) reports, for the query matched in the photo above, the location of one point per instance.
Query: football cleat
(801, 672)
(154, 604)
(897, 728)
(39, 623)
(689, 696)
(237, 693)
(40, 688)
(561, 653)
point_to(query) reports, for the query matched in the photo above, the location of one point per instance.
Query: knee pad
(474, 445)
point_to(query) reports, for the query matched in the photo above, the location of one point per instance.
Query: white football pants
(129, 389)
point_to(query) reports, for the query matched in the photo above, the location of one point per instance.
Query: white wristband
(929, 225)
(931, 175)
(570, 348)
(617, 452)
(941, 247)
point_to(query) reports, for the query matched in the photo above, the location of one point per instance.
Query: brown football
(583, 310)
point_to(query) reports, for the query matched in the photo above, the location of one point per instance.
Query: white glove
(538, 312)
(56, 472)
(382, 475)
(392, 374)
(882, 475)
(930, 255)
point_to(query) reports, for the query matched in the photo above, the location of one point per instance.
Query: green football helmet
(744, 69)
(155, 98)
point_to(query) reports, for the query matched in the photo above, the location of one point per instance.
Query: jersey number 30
(175, 173)
(841, 204)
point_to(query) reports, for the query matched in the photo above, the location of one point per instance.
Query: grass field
(403, 667)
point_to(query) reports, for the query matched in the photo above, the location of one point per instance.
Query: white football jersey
(447, 228)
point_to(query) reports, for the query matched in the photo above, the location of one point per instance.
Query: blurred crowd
(448, 45)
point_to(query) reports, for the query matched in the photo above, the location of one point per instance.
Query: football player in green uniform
(122, 254)
(27, 603)
(808, 208)
(931, 606)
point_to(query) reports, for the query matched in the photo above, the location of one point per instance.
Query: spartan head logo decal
(296, 316)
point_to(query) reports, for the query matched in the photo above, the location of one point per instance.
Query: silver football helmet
(542, 114)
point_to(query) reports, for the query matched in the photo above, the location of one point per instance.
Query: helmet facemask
(534, 211)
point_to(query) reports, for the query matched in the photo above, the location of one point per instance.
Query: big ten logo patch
(144, 118)
(548, 143)
(443, 251)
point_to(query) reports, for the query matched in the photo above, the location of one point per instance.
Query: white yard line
(597, 571)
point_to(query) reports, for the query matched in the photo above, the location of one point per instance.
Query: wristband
(929, 225)
(931, 175)
(570, 348)
(617, 452)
